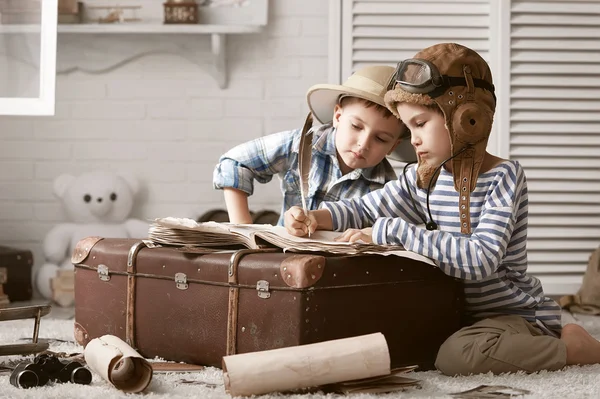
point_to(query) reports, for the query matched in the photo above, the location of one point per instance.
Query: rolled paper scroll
(118, 363)
(306, 366)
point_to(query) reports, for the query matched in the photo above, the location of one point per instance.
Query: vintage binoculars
(45, 368)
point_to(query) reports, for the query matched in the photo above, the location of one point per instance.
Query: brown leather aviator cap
(459, 81)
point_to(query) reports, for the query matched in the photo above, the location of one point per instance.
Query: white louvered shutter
(388, 31)
(555, 132)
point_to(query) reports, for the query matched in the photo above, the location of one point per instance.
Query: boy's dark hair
(366, 103)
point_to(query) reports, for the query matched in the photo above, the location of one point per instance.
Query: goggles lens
(416, 76)
(414, 73)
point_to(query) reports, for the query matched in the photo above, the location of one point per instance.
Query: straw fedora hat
(369, 83)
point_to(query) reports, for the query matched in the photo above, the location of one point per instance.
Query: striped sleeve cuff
(380, 231)
(336, 211)
(345, 214)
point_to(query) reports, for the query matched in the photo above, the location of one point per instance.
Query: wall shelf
(91, 47)
(130, 27)
(218, 35)
(217, 32)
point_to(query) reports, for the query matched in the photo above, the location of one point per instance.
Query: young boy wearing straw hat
(468, 211)
(349, 149)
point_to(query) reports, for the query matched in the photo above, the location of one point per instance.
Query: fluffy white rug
(572, 382)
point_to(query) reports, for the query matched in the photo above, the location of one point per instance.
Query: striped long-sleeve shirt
(277, 154)
(492, 260)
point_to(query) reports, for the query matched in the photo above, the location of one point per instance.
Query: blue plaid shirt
(277, 154)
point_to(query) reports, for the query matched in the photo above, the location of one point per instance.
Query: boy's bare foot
(582, 348)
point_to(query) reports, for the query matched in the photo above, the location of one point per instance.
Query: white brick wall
(163, 119)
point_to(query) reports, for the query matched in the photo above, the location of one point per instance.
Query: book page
(319, 236)
(324, 241)
(188, 232)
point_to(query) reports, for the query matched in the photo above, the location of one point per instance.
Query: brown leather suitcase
(17, 264)
(198, 307)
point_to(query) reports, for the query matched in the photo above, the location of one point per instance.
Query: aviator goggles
(422, 77)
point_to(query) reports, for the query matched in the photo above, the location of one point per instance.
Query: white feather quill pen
(304, 161)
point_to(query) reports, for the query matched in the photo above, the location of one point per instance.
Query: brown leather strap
(130, 321)
(234, 293)
(232, 312)
(464, 191)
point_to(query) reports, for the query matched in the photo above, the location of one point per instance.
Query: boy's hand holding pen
(299, 222)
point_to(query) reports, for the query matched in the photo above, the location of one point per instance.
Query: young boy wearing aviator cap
(348, 150)
(467, 210)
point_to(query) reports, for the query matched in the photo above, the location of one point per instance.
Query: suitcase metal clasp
(103, 273)
(181, 281)
(262, 286)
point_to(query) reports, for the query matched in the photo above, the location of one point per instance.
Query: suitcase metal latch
(262, 286)
(181, 281)
(103, 273)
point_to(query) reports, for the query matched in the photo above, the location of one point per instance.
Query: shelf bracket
(219, 59)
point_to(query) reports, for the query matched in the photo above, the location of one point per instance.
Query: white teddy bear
(98, 204)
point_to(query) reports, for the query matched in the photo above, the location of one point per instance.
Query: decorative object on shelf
(68, 6)
(181, 12)
(117, 13)
(67, 14)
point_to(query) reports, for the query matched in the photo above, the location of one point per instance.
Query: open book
(188, 232)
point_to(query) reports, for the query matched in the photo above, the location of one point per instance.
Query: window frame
(44, 104)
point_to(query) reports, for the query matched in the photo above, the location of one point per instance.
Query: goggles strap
(450, 81)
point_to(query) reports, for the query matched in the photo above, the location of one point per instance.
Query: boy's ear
(337, 112)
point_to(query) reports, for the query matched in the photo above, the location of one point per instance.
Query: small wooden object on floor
(3, 297)
(63, 288)
(18, 264)
(25, 312)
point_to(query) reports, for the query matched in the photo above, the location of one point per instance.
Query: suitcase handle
(238, 255)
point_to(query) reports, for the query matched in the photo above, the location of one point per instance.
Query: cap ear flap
(471, 123)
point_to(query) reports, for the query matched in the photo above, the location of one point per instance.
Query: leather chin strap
(464, 164)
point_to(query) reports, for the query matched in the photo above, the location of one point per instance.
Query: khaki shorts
(500, 344)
